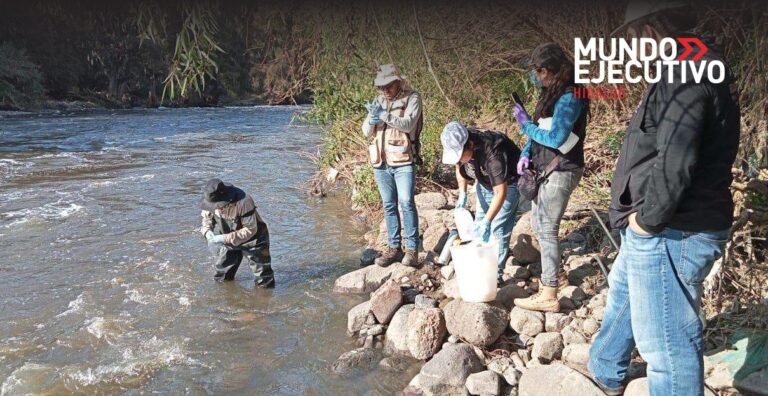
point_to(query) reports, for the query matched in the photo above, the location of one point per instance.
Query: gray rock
(375, 330)
(507, 294)
(576, 354)
(451, 289)
(395, 363)
(516, 271)
(572, 336)
(573, 292)
(360, 358)
(556, 380)
(525, 246)
(368, 257)
(575, 262)
(447, 371)
(547, 346)
(447, 272)
(364, 280)
(385, 301)
(396, 339)
(426, 332)
(484, 383)
(453, 339)
(435, 237)
(478, 323)
(755, 383)
(566, 304)
(430, 200)
(590, 327)
(639, 387)
(526, 322)
(555, 321)
(356, 317)
(506, 368)
(423, 301)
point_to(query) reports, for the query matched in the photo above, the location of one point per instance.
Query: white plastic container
(475, 264)
(465, 224)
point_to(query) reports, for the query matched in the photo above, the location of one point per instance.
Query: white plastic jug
(475, 264)
(465, 224)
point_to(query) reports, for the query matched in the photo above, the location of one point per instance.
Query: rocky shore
(415, 317)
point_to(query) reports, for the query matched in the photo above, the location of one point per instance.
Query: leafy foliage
(20, 79)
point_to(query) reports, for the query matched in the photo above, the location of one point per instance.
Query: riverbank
(417, 319)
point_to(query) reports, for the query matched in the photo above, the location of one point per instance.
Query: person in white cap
(489, 158)
(394, 120)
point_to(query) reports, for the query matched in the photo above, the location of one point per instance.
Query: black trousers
(228, 259)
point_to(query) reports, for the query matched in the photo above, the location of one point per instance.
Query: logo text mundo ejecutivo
(643, 59)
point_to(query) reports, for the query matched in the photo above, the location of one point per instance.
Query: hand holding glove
(461, 202)
(374, 112)
(209, 234)
(217, 239)
(523, 164)
(520, 114)
(483, 230)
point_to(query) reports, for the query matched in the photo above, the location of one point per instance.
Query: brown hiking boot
(389, 256)
(545, 300)
(411, 258)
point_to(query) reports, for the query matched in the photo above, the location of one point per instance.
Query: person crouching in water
(556, 152)
(233, 229)
(488, 157)
(394, 120)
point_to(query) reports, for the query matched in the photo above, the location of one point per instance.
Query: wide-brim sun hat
(386, 75)
(453, 138)
(217, 194)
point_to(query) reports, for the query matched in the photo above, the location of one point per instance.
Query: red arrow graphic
(686, 42)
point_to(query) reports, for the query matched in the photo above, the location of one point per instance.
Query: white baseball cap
(453, 138)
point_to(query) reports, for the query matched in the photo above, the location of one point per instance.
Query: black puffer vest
(541, 155)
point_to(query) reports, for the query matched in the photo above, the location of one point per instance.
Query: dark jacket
(674, 168)
(239, 222)
(494, 159)
(542, 155)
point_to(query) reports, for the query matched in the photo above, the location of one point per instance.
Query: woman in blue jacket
(555, 147)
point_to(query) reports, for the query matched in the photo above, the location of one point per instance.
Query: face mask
(535, 80)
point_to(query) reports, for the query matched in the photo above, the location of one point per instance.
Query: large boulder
(556, 380)
(478, 323)
(364, 280)
(385, 301)
(484, 383)
(526, 322)
(426, 332)
(356, 317)
(525, 246)
(555, 321)
(447, 372)
(361, 358)
(396, 338)
(547, 346)
(435, 237)
(430, 200)
(576, 354)
(433, 217)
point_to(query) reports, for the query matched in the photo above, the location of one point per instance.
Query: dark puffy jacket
(674, 168)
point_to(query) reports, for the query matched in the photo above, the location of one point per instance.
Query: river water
(106, 286)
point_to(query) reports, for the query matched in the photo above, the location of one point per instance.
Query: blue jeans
(504, 222)
(396, 186)
(654, 301)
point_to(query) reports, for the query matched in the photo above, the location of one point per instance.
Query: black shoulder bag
(529, 182)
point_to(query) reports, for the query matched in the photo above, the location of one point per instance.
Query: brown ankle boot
(545, 300)
(389, 256)
(562, 281)
(411, 258)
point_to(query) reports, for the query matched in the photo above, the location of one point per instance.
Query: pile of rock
(480, 348)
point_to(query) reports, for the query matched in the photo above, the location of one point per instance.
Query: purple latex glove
(523, 164)
(520, 114)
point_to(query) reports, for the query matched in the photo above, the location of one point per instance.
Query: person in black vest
(233, 229)
(489, 158)
(555, 149)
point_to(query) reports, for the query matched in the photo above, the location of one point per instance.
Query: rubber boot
(545, 300)
(265, 278)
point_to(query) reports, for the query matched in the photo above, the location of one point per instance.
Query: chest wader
(256, 251)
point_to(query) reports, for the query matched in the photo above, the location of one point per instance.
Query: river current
(106, 285)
